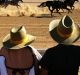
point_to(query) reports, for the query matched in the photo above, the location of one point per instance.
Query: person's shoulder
(51, 49)
(74, 46)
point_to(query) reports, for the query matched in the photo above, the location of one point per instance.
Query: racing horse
(70, 3)
(5, 3)
(55, 5)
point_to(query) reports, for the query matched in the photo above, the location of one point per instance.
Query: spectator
(64, 58)
(21, 57)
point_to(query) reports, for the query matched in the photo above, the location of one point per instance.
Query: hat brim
(53, 32)
(7, 42)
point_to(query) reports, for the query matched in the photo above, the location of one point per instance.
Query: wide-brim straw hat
(64, 30)
(18, 38)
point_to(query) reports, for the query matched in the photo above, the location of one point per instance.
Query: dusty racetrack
(37, 26)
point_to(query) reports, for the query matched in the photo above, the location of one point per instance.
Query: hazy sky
(34, 0)
(38, 0)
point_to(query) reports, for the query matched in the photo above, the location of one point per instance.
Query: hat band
(62, 35)
(19, 41)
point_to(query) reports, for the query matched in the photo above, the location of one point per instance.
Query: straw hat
(18, 38)
(64, 30)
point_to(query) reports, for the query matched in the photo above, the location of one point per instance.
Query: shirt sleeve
(32, 71)
(38, 55)
(3, 70)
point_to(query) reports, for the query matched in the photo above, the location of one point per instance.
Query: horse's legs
(72, 8)
(62, 9)
(16, 5)
(21, 0)
(57, 9)
(51, 11)
(68, 10)
(5, 4)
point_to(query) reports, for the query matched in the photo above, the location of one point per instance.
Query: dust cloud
(22, 10)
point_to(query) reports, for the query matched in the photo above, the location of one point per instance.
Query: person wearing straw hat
(64, 58)
(21, 57)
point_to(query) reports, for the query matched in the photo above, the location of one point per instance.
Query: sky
(38, 0)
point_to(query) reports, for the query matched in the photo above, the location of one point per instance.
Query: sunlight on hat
(18, 38)
(64, 30)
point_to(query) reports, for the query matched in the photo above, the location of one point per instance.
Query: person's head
(18, 38)
(64, 30)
